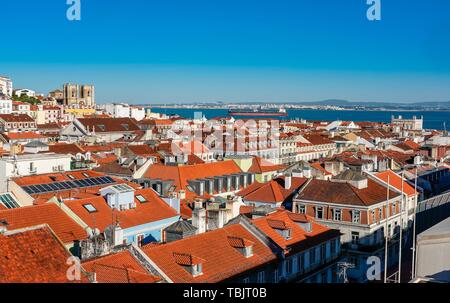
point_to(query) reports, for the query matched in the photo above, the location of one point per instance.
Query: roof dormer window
(191, 263)
(244, 246)
(281, 228)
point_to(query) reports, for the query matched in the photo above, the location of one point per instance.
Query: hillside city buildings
(142, 197)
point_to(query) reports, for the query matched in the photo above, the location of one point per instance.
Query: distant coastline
(432, 119)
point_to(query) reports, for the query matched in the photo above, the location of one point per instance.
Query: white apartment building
(6, 86)
(31, 164)
(122, 110)
(5, 106)
(25, 91)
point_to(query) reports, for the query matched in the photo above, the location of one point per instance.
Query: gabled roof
(396, 181)
(16, 118)
(300, 239)
(141, 150)
(219, 259)
(344, 193)
(64, 148)
(22, 136)
(33, 255)
(62, 225)
(271, 192)
(155, 209)
(107, 125)
(316, 139)
(182, 174)
(260, 165)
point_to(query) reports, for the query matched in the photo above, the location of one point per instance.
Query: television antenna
(343, 267)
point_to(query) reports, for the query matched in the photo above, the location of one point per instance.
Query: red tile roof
(396, 181)
(413, 145)
(120, 267)
(344, 193)
(106, 125)
(141, 150)
(181, 174)
(260, 165)
(62, 225)
(273, 191)
(221, 260)
(16, 118)
(300, 239)
(64, 148)
(22, 136)
(153, 210)
(317, 139)
(33, 256)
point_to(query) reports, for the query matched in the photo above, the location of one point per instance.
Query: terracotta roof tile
(221, 260)
(300, 239)
(120, 267)
(63, 226)
(33, 256)
(154, 209)
(344, 193)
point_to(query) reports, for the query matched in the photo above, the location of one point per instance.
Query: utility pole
(401, 232)
(413, 271)
(386, 235)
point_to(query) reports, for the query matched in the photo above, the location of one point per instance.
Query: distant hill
(346, 103)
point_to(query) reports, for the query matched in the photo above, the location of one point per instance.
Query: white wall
(43, 165)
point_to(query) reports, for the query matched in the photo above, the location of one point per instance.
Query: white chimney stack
(199, 217)
(288, 181)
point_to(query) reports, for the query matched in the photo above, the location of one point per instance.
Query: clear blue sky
(231, 50)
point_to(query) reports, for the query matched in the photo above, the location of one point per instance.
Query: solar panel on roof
(8, 201)
(34, 188)
(66, 185)
(28, 190)
(47, 187)
(54, 186)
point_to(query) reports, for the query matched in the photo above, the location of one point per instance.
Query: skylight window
(85, 174)
(90, 208)
(141, 198)
(7, 200)
(102, 127)
(71, 177)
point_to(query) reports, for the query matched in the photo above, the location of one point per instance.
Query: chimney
(182, 194)
(199, 217)
(288, 181)
(118, 235)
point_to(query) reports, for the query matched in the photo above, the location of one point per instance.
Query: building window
(313, 256)
(319, 213)
(288, 266)
(356, 216)
(275, 275)
(380, 214)
(374, 219)
(332, 247)
(355, 237)
(300, 262)
(337, 214)
(301, 209)
(261, 277)
(139, 239)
